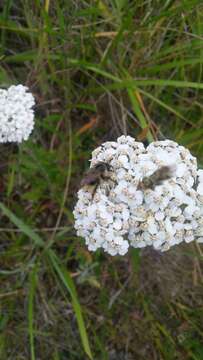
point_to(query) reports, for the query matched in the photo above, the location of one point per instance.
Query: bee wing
(165, 172)
(157, 177)
(89, 178)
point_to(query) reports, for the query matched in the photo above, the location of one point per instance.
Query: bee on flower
(159, 190)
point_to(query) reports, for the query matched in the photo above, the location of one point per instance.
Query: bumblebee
(95, 175)
(156, 178)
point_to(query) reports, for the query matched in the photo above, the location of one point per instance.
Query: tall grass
(97, 69)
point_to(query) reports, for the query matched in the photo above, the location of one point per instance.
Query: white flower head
(123, 214)
(16, 114)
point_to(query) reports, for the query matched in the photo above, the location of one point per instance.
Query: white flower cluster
(16, 114)
(120, 215)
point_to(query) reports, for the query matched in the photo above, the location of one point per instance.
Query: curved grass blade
(32, 289)
(61, 272)
(174, 64)
(123, 84)
(134, 83)
(163, 104)
(22, 226)
(134, 96)
(68, 283)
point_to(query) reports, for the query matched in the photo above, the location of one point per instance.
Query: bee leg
(94, 191)
(108, 178)
(113, 181)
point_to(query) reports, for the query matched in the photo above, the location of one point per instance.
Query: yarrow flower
(16, 114)
(120, 214)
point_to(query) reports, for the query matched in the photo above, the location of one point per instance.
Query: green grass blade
(32, 289)
(29, 55)
(171, 65)
(133, 83)
(4, 18)
(68, 283)
(60, 270)
(135, 259)
(154, 82)
(22, 226)
(163, 104)
(139, 114)
(94, 68)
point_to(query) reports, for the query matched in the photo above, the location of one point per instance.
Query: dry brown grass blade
(89, 125)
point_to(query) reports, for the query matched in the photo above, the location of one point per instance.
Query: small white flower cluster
(120, 215)
(16, 114)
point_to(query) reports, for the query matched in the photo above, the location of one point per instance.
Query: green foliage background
(97, 69)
